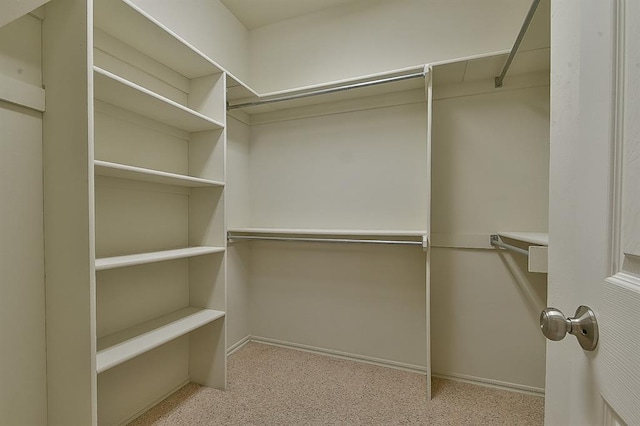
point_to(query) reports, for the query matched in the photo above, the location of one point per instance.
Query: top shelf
(488, 67)
(128, 23)
(239, 95)
(236, 89)
(537, 238)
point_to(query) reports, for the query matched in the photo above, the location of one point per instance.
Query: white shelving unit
(136, 240)
(166, 101)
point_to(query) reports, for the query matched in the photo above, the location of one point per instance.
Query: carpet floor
(270, 385)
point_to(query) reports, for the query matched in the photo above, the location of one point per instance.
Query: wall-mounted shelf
(127, 344)
(120, 92)
(236, 89)
(395, 82)
(158, 256)
(536, 253)
(123, 171)
(128, 23)
(537, 238)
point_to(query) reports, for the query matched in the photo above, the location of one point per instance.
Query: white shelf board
(125, 94)
(538, 238)
(236, 89)
(468, 70)
(123, 171)
(127, 344)
(345, 232)
(151, 257)
(128, 23)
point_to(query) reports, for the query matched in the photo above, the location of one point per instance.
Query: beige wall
(490, 174)
(11, 10)
(362, 301)
(491, 162)
(484, 318)
(358, 170)
(22, 310)
(372, 36)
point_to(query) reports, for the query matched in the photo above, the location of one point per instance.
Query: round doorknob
(583, 325)
(554, 325)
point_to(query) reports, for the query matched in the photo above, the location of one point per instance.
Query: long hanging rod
(323, 240)
(327, 91)
(497, 242)
(523, 30)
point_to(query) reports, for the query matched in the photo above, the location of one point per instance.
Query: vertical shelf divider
(68, 213)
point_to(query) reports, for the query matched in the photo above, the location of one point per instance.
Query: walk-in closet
(363, 180)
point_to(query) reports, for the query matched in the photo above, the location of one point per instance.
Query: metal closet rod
(523, 30)
(327, 91)
(322, 240)
(497, 242)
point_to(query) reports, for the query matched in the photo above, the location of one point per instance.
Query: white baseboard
(495, 384)
(231, 349)
(480, 381)
(338, 354)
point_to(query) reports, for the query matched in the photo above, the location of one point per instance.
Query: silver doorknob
(583, 325)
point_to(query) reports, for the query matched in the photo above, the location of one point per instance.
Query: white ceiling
(258, 13)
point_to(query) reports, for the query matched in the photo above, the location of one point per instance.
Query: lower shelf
(127, 344)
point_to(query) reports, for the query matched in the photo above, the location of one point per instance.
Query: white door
(594, 223)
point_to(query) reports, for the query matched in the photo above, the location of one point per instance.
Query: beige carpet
(270, 385)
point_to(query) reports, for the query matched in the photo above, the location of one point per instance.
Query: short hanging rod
(327, 91)
(322, 240)
(497, 242)
(525, 26)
